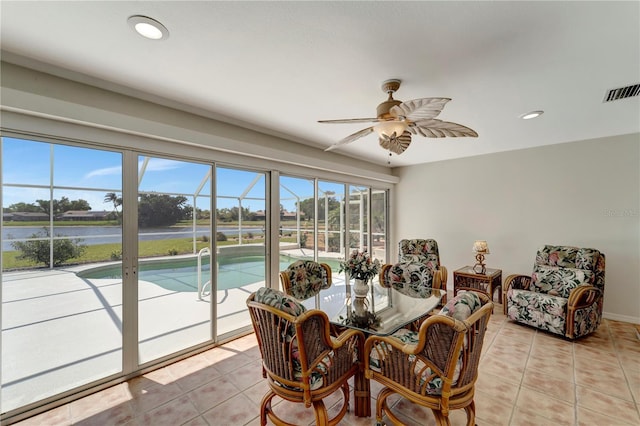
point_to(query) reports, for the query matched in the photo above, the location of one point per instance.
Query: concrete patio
(60, 331)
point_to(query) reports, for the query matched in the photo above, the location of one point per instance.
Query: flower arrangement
(360, 266)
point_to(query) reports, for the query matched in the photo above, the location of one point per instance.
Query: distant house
(24, 216)
(284, 215)
(287, 215)
(83, 215)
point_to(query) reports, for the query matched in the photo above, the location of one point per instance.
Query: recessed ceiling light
(147, 27)
(532, 114)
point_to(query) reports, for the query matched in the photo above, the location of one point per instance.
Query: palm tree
(112, 197)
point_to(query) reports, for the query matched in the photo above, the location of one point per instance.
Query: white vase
(361, 288)
(359, 306)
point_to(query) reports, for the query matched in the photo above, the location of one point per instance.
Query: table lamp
(480, 248)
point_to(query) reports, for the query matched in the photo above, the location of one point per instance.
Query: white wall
(584, 193)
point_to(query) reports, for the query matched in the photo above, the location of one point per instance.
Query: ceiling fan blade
(396, 144)
(351, 138)
(419, 109)
(439, 129)
(351, 120)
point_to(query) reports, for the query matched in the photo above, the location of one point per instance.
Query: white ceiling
(281, 66)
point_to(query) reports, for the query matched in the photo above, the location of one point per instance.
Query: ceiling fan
(396, 121)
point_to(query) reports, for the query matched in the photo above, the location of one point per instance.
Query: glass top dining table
(383, 319)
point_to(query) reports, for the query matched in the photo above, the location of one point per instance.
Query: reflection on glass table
(361, 314)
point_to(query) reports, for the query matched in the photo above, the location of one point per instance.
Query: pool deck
(56, 325)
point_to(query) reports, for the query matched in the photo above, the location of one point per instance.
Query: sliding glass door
(174, 258)
(61, 316)
(241, 223)
(117, 260)
(326, 221)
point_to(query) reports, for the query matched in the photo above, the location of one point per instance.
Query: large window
(174, 230)
(115, 260)
(58, 333)
(240, 240)
(333, 219)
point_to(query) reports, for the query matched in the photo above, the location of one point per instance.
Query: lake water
(92, 235)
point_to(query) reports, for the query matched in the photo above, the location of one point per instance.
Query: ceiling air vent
(622, 93)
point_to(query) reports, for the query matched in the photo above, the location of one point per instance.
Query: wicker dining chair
(304, 279)
(300, 360)
(418, 270)
(435, 367)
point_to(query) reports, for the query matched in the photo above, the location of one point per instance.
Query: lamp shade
(481, 246)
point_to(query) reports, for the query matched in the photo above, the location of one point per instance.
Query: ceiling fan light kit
(396, 121)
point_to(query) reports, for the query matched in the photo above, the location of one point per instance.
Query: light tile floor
(526, 377)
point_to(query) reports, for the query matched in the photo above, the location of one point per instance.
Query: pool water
(181, 274)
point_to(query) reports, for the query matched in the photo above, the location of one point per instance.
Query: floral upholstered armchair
(418, 270)
(304, 279)
(563, 295)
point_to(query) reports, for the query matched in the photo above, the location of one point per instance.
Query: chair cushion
(419, 246)
(410, 278)
(543, 311)
(462, 306)
(279, 300)
(587, 258)
(307, 279)
(431, 260)
(564, 256)
(559, 281)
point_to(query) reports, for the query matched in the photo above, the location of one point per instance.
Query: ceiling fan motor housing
(384, 107)
(389, 87)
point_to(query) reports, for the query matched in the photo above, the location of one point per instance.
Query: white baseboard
(623, 318)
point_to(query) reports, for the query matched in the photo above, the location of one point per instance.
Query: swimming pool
(182, 274)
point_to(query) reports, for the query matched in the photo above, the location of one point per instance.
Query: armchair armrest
(327, 340)
(583, 296)
(383, 273)
(389, 347)
(444, 276)
(517, 281)
(440, 282)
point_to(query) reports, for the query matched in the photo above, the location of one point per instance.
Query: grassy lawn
(104, 252)
(108, 252)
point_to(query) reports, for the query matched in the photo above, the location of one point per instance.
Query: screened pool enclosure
(116, 261)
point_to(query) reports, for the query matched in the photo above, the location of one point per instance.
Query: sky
(89, 174)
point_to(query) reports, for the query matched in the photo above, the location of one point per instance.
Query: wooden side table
(466, 278)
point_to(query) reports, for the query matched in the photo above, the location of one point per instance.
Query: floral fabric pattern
(413, 274)
(279, 300)
(462, 306)
(587, 320)
(420, 247)
(539, 310)
(587, 259)
(559, 281)
(307, 279)
(558, 271)
(563, 256)
(412, 279)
